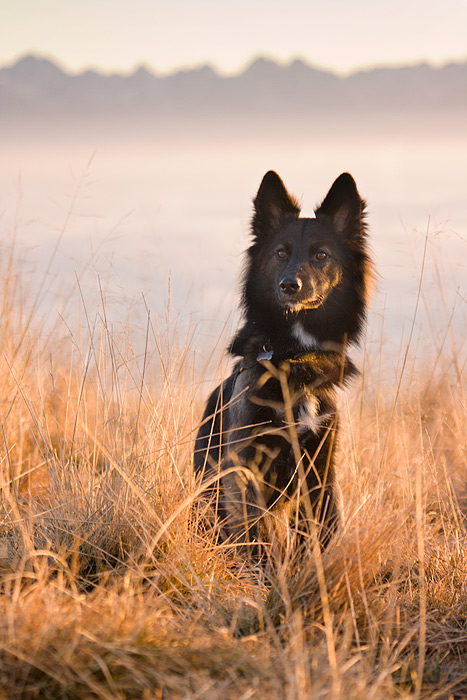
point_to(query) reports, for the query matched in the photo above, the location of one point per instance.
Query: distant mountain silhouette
(37, 89)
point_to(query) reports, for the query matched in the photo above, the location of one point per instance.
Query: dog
(269, 431)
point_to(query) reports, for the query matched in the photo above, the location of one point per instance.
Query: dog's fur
(269, 430)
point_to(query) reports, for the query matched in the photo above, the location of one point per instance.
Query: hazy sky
(169, 34)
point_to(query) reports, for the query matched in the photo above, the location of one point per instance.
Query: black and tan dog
(269, 430)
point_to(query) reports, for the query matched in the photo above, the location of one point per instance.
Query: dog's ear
(273, 205)
(344, 206)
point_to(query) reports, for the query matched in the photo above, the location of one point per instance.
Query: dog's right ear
(273, 205)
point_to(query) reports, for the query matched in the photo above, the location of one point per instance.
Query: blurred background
(134, 136)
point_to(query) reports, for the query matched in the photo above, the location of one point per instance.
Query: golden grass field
(112, 583)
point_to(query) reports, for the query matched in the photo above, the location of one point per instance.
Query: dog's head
(305, 259)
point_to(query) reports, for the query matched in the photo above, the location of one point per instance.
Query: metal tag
(265, 355)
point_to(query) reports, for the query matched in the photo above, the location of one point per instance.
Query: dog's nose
(290, 285)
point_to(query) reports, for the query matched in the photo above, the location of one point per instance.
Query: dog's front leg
(318, 502)
(242, 505)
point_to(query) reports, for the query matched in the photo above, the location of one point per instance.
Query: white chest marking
(307, 340)
(309, 418)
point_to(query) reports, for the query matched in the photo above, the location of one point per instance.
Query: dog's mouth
(297, 305)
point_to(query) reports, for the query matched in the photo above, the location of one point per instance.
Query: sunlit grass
(115, 585)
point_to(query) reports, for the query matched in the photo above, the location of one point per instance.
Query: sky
(167, 35)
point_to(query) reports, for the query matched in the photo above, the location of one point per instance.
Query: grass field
(113, 585)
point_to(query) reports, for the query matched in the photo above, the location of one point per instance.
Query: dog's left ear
(344, 206)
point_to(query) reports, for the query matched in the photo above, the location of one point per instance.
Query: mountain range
(38, 88)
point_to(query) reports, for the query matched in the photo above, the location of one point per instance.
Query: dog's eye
(321, 255)
(281, 253)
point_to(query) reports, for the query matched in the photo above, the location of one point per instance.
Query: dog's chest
(262, 398)
(311, 416)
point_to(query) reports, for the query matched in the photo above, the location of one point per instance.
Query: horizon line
(255, 58)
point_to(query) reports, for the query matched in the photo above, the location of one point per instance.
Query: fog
(150, 222)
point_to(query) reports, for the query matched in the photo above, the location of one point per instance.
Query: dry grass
(114, 586)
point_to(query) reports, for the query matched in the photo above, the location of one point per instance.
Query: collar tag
(265, 354)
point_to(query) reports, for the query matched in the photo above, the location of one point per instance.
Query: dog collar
(267, 353)
(306, 358)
